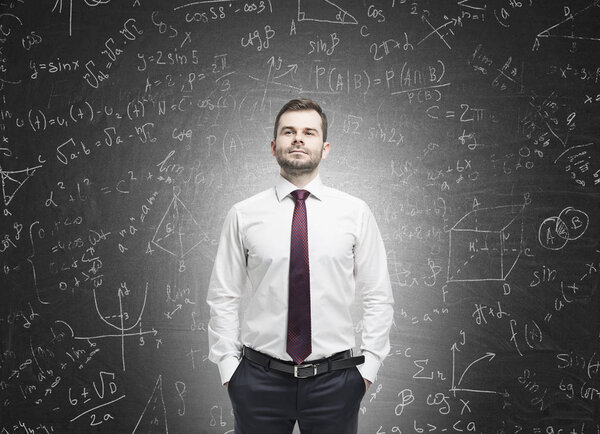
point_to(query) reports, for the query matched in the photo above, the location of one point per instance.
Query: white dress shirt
(346, 256)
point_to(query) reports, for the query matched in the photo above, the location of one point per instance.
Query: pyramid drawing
(178, 232)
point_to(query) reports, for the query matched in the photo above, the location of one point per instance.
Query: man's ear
(326, 149)
(273, 147)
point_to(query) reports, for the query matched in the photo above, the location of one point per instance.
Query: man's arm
(227, 282)
(373, 283)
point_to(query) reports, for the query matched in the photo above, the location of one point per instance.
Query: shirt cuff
(227, 367)
(369, 369)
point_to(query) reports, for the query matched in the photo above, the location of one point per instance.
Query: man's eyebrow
(293, 128)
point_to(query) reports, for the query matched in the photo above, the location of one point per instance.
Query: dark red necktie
(299, 328)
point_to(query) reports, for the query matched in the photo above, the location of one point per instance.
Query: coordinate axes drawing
(457, 380)
(122, 331)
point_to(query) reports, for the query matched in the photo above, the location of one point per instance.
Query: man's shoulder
(264, 197)
(346, 198)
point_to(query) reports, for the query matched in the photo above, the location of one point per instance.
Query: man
(291, 359)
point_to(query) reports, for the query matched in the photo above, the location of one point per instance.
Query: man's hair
(301, 104)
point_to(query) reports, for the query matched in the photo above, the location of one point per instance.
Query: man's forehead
(300, 118)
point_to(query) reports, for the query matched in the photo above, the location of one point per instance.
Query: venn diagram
(556, 231)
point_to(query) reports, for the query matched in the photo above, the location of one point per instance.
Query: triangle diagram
(12, 182)
(154, 417)
(568, 28)
(323, 11)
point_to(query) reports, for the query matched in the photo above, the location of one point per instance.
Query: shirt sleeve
(225, 289)
(373, 284)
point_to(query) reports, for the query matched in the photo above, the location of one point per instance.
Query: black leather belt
(342, 360)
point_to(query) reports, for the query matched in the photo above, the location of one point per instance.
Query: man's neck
(300, 180)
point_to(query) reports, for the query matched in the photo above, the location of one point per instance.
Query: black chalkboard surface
(128, 128)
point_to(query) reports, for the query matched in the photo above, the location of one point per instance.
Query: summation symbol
(178, 232)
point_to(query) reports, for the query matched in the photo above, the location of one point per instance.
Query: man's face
(299, 146)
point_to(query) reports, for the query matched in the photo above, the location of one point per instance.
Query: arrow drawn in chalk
(489, 356)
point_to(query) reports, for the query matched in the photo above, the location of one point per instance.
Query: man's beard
(295, 166)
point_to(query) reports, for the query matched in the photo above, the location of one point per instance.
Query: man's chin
(297, 167)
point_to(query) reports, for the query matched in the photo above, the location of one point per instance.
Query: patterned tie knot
(300, 194)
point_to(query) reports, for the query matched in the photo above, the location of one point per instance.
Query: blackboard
(129, 128)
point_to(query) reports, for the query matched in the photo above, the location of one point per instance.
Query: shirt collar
(283, 188)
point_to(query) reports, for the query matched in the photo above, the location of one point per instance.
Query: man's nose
(298, 137)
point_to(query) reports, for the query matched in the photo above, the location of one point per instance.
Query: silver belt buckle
(307, 366)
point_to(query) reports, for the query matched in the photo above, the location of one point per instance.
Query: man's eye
(309, 133)
(287, 132)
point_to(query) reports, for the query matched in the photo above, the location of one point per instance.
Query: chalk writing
(128, 129)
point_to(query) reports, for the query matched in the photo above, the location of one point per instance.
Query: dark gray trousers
(270, 402)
